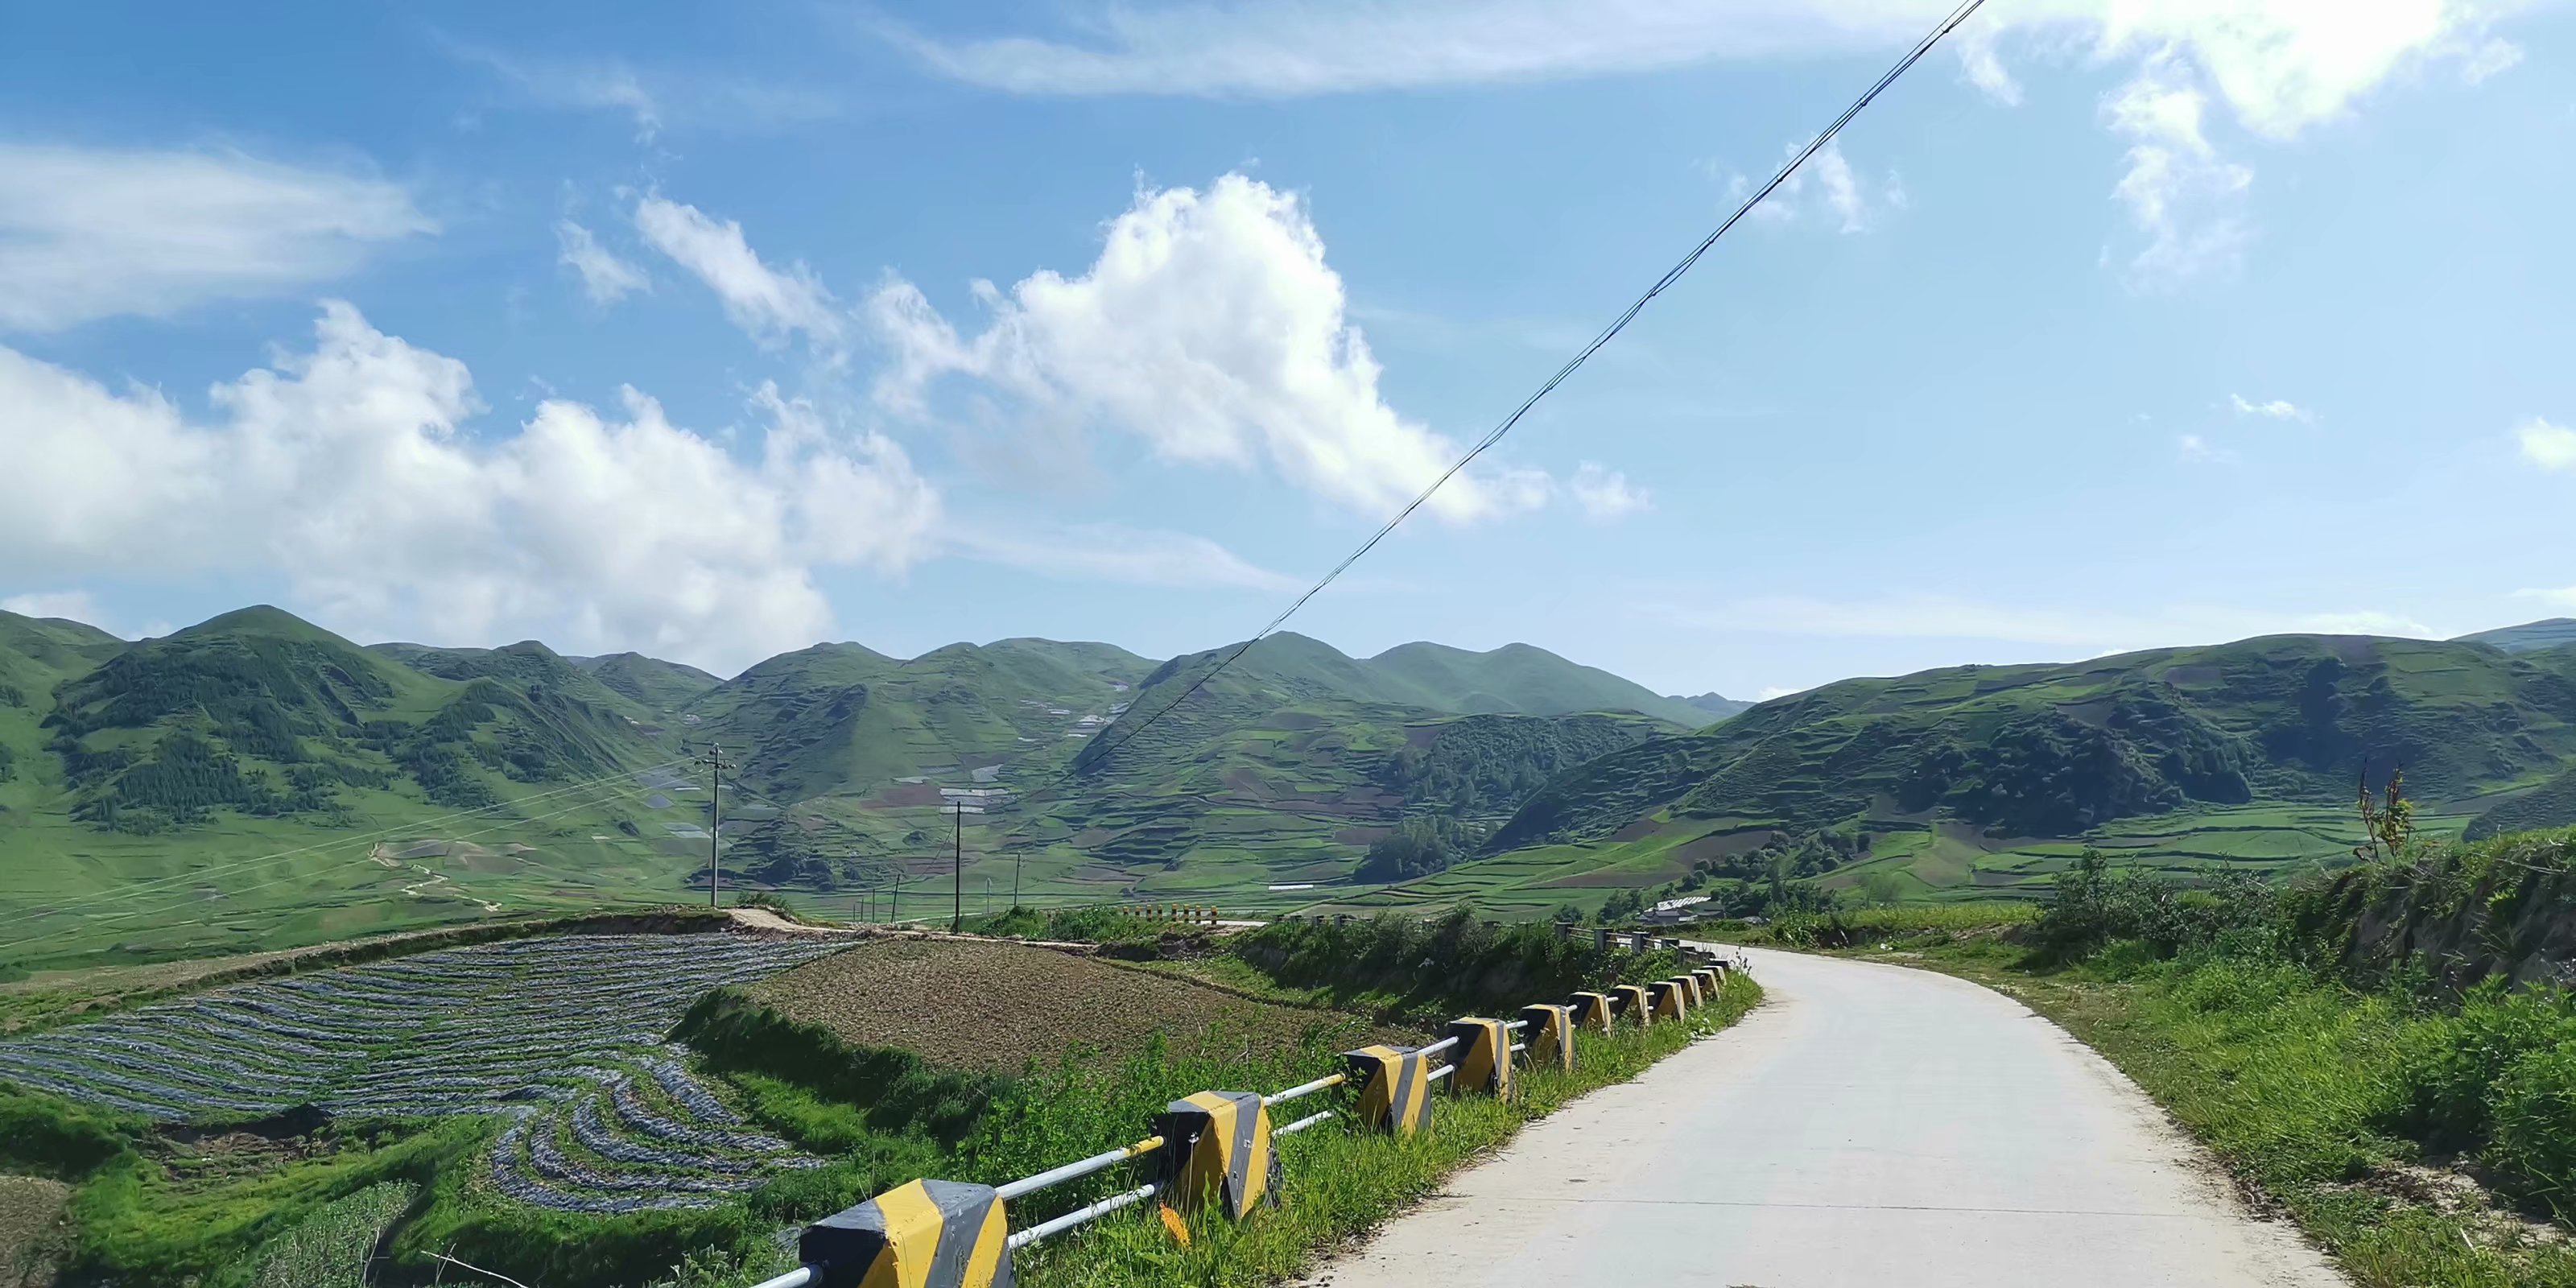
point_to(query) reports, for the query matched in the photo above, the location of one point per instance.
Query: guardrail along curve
(1215, 1150)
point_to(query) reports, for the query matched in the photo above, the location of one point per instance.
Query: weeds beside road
(2423, 1134)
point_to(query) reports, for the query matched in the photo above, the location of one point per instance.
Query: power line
(1957, 16)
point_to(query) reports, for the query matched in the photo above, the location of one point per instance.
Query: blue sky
(714, 330)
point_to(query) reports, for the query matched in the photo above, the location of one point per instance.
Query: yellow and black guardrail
(1216, 1150)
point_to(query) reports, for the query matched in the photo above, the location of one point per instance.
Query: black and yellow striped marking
(1593, 1011)
(1395, 1089)
(1671, 999)
(1709, 982)
(1692, 990)
(1549, 1034)
(1633, 1003)
(1220, 1150)
(1483, 1056)
(925, 1234)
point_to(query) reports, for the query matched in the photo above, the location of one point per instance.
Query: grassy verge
(2370, 1117)
(1338, 1185)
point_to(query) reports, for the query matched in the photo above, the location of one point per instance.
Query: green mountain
(1516, 679)
(255, 776)
(648, 682)
(1985, 779)
(526, 664)
(843, 720)
(2530, 637)
(1714, 707)
(255, 780)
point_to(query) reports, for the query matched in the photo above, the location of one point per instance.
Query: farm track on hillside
(563, 1034)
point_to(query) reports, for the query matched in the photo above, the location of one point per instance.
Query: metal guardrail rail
(925, 1224)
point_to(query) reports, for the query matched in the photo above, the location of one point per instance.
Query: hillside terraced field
(563, 1034)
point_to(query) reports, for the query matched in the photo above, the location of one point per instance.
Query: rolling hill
(1716, 706)
(2530, 637)
(255, 773)
(255, 780)
(1987, 779)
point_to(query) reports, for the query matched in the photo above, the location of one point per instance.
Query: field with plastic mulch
(564, 1035)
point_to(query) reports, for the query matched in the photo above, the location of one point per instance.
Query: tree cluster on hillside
(1487, 765)
(822, 858)
(1419, 846)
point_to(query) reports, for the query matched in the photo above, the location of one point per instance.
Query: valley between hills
(255, 782)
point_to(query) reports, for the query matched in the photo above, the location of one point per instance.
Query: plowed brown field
(995, 1006)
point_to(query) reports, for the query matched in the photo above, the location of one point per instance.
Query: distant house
(1674, 912)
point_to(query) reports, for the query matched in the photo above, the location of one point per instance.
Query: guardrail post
(1634, 1003)
(1601, 938)
(936, 1234)
(1671, 999)
(1395, 1088)
(1550, 1033)
(1709, 981)
(1593, 1011)
(1483, 1056)
(1220, 1146)
(1691, 989)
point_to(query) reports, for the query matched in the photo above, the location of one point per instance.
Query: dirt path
(1869, 1126)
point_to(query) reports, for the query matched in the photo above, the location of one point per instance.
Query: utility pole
(957, 867)
(1019, 860)
(894, 903)
(716, 766)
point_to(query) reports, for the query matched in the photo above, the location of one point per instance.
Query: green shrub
(2533, 1124)
(1446, 966)
(2448, 1067)
(48, 1136)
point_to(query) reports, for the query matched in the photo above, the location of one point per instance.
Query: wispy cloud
(74, 604)
(89, 233)
(1113, 553)
(2275, 409)
(1604, 494)
(2183, 196)
(650, 98)
(2197, 450)
(604, 277)
(770, 304)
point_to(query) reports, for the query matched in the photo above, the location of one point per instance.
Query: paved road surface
(1869, 1127)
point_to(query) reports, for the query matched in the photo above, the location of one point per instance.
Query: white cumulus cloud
(89, 233)
(770, 304)
(604, 277)
(2549, 446)
(1211, 330)
(346, 470)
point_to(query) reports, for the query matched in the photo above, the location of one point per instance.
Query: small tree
(2389, 825)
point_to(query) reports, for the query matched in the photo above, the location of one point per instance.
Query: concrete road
(1869, 1127)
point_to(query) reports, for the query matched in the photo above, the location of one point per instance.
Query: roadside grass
(1337, 1185)
(2300, 1086)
